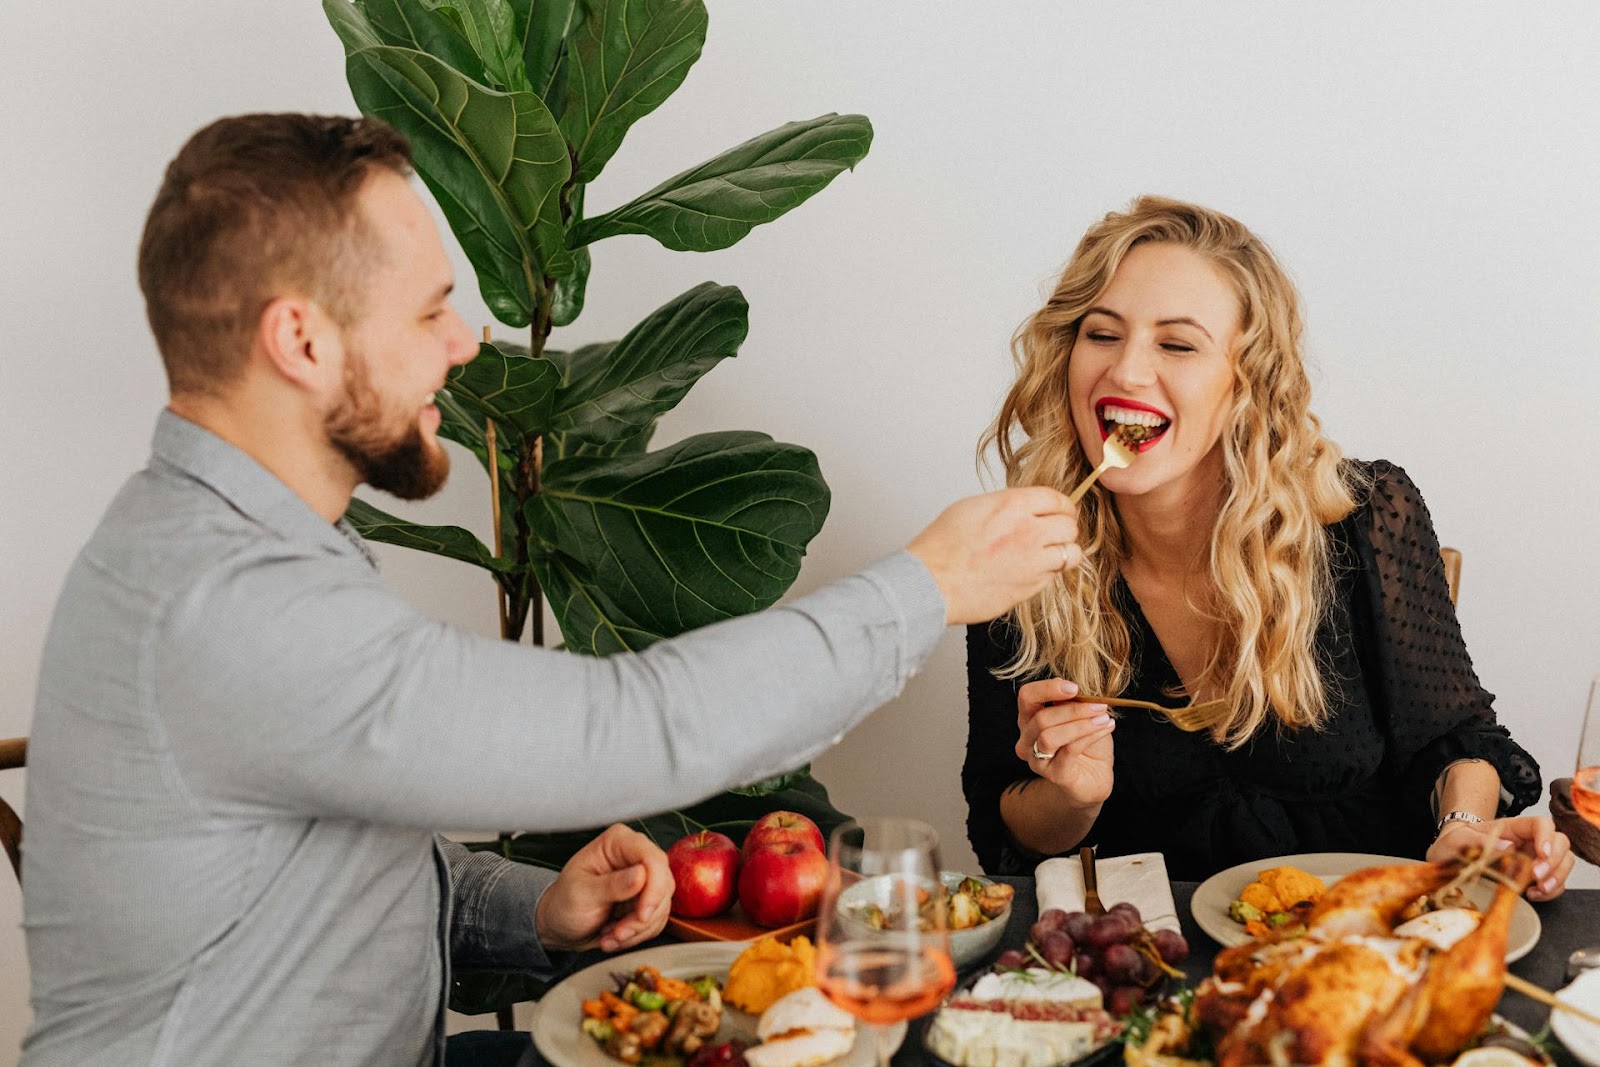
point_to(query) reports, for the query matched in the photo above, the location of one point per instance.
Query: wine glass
(1586, 779)
(883, 949)
(1586, 802)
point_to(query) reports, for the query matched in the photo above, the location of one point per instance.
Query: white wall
(1428, 171)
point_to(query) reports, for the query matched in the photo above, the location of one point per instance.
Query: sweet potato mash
(768, 970)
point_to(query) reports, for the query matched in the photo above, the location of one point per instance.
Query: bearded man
(243, 739)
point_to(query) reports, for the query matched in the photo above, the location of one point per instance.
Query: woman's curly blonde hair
(1268, 565)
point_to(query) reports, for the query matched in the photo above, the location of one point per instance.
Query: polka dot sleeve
(1435, 709)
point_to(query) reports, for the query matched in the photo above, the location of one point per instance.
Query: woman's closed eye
(1101, 337)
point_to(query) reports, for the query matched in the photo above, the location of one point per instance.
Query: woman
(1238, 557)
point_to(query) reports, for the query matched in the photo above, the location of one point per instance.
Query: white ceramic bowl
(1582, 1038)
(966, 946)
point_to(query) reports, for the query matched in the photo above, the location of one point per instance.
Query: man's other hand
(989, 553)
(617, 889)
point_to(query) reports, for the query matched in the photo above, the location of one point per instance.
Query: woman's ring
(1066, 557)
(1043, 756)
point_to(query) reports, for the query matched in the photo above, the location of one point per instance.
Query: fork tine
(1116, 452)
(1198, 717)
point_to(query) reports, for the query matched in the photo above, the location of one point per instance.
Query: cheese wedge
(1037, 984)
(994, 1039)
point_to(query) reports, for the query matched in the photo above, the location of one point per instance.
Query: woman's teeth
(428, 400)
(1130, 417)
(1135, 428)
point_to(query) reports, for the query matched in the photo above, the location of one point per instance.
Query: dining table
(1569, 922)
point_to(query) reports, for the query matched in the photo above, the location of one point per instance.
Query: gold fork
(1190, 719)
(1115, 452)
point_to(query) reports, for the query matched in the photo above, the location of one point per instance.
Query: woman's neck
(1169, 531)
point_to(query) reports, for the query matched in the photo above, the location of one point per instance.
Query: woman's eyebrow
(1186, 321)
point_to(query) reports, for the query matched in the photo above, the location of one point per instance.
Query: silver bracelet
(1455, 816)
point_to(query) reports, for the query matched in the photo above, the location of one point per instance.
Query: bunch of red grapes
(1114, 951)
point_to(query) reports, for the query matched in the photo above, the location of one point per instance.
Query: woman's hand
(1533, 834)
(1066, 743)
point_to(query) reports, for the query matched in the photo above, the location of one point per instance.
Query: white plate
(1581, 1038)
(1212, 897)
(559, 1013)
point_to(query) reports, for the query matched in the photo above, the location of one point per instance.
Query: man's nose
(463, 346)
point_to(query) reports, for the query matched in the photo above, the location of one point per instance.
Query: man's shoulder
(162, 529)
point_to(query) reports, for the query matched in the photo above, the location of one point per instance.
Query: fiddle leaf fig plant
(512, 108)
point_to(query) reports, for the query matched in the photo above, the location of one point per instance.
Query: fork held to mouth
(1117, 452)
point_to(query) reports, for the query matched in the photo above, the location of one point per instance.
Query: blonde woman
(1240, 557)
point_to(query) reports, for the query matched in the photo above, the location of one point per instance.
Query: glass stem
(880, 1043)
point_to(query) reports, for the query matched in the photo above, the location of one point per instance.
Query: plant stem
(533, 464)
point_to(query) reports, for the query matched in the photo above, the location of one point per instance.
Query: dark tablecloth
(1569, 922)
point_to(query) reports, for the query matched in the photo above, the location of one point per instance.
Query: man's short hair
(252, 208)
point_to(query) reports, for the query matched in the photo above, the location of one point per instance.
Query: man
(242, 736)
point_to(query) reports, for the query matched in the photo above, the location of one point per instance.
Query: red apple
(705, 868)
(777, 827)
(781, 883)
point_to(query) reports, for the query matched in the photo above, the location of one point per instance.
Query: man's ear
(300, 342)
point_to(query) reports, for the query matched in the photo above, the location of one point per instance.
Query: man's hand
(1533, 834)
(620, 867)
(989, 553)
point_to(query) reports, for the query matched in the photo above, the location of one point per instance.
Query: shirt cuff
(495, 903)
(911, 591)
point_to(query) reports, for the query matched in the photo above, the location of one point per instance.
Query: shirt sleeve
(1435, 709)
(493, 902)
(294, 682)
(991, 764)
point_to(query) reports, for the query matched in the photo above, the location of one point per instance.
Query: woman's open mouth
(1139, 425)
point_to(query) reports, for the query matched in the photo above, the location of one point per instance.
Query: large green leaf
(558, 447)
(721, 200)
(566, 302)
(465, 427)
(651, 369)
(495, 161)
(405, 25)
(451, 541)
(640, 547)
(624, 59)
(515, 390)
(592, 624)
(491, 28)
(545, 26)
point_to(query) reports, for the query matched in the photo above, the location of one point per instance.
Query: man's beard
(401, 462)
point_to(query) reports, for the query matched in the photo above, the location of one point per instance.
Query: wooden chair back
(1452, 570)
(13, 754)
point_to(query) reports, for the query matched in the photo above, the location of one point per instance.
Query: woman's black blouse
(1404, 698)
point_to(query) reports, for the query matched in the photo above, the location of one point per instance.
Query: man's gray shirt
(243, 741)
